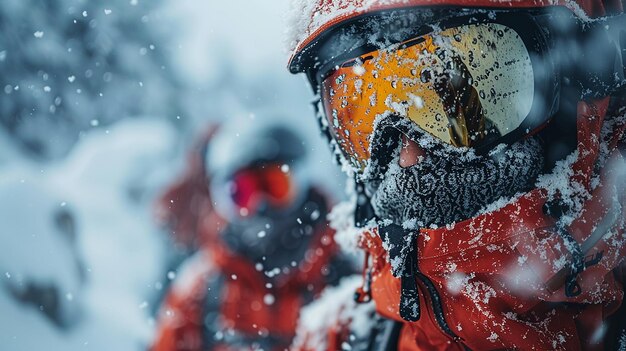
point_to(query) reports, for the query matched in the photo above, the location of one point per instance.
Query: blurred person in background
(486, 140)
(266, 250)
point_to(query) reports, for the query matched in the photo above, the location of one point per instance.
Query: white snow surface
(559, 184)
(336, 306)
(106, 184)
(108, 181)
(341, 220)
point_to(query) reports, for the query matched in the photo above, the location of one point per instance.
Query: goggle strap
(323, 125)
(363, 212)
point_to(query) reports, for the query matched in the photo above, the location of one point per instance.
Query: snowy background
(98, 102)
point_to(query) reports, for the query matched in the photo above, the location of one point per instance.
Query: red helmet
(315, 18)
(355, 55)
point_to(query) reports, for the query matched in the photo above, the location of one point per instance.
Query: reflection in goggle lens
(465, 85)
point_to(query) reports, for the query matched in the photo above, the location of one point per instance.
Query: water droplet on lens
(426, 76)
(335, 119)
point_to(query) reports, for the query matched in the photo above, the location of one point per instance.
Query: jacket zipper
(435, 301)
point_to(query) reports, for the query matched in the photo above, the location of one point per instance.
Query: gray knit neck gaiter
(443, 189)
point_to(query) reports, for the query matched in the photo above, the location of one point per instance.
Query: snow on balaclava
(449, 185)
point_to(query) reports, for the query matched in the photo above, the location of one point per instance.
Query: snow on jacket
(505, 279)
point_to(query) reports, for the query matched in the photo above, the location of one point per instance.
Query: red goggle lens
(251, 186)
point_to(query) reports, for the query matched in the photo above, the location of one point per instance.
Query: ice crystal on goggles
(468, 86)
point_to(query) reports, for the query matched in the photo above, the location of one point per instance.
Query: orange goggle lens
(463, 85)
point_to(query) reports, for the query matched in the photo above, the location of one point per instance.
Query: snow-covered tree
(70, 65)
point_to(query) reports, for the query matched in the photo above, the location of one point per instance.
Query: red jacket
(245, 311)
(497, 281)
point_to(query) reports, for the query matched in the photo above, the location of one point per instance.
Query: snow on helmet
(260, 148)
(476, 75)
(312, 20)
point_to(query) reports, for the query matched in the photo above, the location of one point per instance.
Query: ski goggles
(472, 85)
(251, 186)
